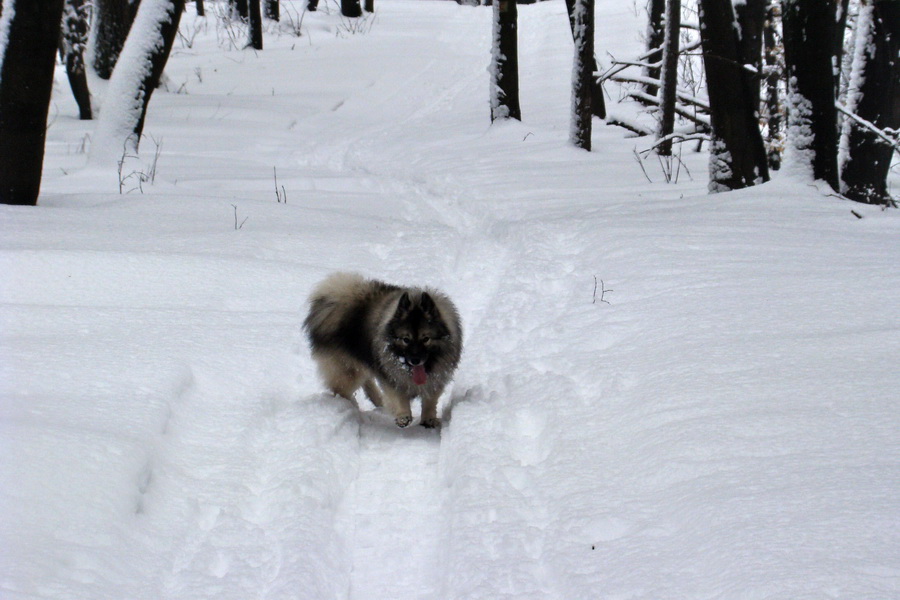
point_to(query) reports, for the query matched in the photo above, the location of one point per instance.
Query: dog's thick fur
(396, 343)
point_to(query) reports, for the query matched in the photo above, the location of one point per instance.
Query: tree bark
(669, 77)
(598, 103)
(26, 80)
(582, 74)
(112, 22)
(751, 18)
(505, 62)
(72, 45)
(812, 116)
(256, 37)
(737, 154)
(201, 11)
(876, 99)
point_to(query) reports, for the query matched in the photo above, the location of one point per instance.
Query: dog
(394, 342)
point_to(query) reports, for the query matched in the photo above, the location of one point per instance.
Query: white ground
(716, 418)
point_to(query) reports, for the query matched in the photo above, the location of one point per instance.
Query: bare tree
(134, 80)
(72, 46)
(808, 27)
(598, 104)
(201, 12)
(582, 74)
(26, 80)
(874, 100)
(669, 77)
(272, 9)
(112, 22)
(656, 34)
(505, 62)
(256, 37)
(737, 155)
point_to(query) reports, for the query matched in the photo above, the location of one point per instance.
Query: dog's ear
(405, 304)
(427, 304)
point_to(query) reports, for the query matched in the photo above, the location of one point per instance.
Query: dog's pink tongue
(419, 376)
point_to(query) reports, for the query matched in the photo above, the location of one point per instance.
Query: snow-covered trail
(655, 400)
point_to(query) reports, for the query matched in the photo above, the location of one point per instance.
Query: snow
(8, 8)
(716, 420)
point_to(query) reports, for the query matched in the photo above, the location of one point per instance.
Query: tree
(351, 8)
(505, 62)
(773, 79)
(598, 104)
(136, 76)
(26, 80)
(112, 22)
(201, 12)
(737, 155)
(72, 45)
(655, 37)
(256, 37)
(669, 77)
(272, 9)
(582, 74)
(808, 29)
(874, 97)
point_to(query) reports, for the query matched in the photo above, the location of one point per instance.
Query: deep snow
(717, 418)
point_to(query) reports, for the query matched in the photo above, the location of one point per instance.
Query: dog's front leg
(429, 410)
(398, 405)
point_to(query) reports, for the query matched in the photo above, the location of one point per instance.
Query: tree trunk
(26, 80)
(812, 116)
(369, 6)
(273, 10)
(774, 142)
(142, 62)
(256, 37)
(312, 5)
(239, 8)
(351, 8)
(669, 78)
(751, 18)
(505, 62)
(201, 12)
(874, 96)
(598, 104)
(737, 155)
(72, 45)
(656, 34)
(582, 74)
(112, 22)
(841, 9)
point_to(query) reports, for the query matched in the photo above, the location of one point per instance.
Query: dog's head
(418, 335)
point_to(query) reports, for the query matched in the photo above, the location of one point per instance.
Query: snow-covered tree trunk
(874, 96)
(669, 77)
(256, 36)
(137, 75)
(73, 44)
(582, 74)
(737, 154)
(29, 36)
(808, 27)
(774, 141)
(656, 34)
(751, 18)
(598, 104)
(112, 21)
(504, 69)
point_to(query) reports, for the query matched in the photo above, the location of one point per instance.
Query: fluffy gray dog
(396, 343)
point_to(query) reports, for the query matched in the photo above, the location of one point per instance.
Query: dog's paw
(431, 423)
(403, 421)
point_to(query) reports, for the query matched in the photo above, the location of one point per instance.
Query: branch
(888, 136)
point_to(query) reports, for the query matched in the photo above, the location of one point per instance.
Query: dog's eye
(425, 339)
(405, 340)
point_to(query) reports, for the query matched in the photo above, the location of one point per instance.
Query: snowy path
(716, 419)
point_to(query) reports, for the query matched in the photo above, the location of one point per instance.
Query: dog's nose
(415, 361)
